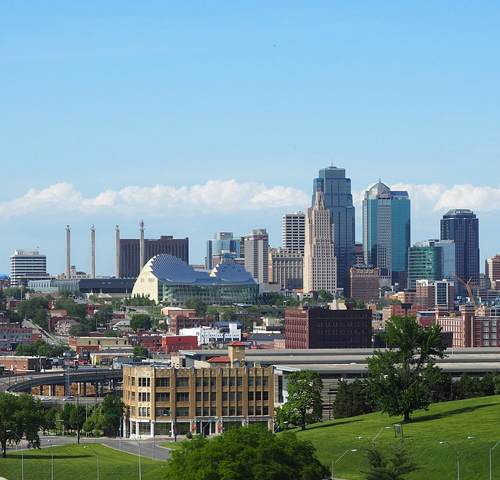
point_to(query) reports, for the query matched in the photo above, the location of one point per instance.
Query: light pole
(97, 455)
(140, 466)
(376, 436)
(52, 448)
(490, 450)
(333, 463)
(456, 453)
(22, 451)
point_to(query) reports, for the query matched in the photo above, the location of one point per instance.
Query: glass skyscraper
(386, 230)
(462, 226)
(337, 198)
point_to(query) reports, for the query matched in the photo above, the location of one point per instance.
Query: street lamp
(456, 453)
(97, 455)
(22, 451)
(376, 436)
(140, 466)
(333, 463)
(489, 449)
(52, 448)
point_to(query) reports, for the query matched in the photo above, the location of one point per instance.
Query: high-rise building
(287, 268)
(320, 263)
(365, 283)
(424, 263)
(223, 242)
(462, 226)
(386, 230)
(336, 190)
(130, 252)
(257, 255)
(27, 265)
(294, 227)
(492, 271)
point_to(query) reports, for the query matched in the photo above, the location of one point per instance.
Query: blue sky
(215, 116)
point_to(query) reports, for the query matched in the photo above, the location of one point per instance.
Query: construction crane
(467, 286)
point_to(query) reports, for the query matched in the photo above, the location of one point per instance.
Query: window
(144, 382)
(224, 381)
(250, 396)
(163, 397)
(182, 382)
(163, 382)
(182, 397)
(182, 412)
(213, 382)
(232, 383)
(133, 381)
(265, 381)
(198, 396)
(250, 381)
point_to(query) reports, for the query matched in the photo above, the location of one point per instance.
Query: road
(149, 448)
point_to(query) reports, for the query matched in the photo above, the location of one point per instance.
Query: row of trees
(39, 348)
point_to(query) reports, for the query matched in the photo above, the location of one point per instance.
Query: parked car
(69, 398)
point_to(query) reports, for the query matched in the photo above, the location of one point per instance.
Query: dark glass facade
(462, 226)
(338, 199)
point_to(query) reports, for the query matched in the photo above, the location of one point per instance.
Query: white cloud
(214, 197)
(439, 198)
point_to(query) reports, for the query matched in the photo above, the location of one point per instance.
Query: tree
(400, 375)
(246, 453)
(389, 466)
(196, 303)
(111, 410)
(79, 330)
(20, 416)
(140, 321)
(304, 405)
(140, 351)
(324, 296)
(352, 400)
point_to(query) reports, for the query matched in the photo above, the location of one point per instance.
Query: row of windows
(206, 382)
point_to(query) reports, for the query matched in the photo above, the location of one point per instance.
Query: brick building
(325, 328)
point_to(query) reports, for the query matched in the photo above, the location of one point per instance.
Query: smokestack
(68, 251)
(141, 246)
(92, 251)
(117, 250)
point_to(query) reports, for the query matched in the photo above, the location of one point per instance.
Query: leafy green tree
(20, 416)
(73, 309)
(79, 330)
(196, 303)
(392, 466)
(140, 351)
(246, 453)
(304, 405)
(35, 309)
(324, 296)
(352, 400)
(111, 410)
(400, 375)
(39, 348)
(140, 321)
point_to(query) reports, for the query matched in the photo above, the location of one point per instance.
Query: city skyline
(218, 118)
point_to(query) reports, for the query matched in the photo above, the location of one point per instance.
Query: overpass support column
(84, 389)
(41, 389)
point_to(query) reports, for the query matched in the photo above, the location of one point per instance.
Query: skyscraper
(462, 226)
(320, 263)
(27, 265)
(336, 190)
(425, 262)
(256, 246)
(222, 242)
(386, 230)
(294, 232)
(492, 271)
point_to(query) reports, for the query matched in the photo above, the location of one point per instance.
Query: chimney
(68, 251)
(92, 251)
(117, 250)
(141, 246)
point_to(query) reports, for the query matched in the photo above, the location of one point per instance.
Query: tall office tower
(462, 226)
(130, 252)
(294, 225)
(386, 231)
(27, 265)
(257, 255)
(424, 263)
(320, 263)
(336, 190)
(222, 242)
(492, 271)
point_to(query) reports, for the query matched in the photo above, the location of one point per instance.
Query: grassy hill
(452, 422)
(73, 462)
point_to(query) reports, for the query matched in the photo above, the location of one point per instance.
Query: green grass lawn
(452, 422)
(73, 462)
